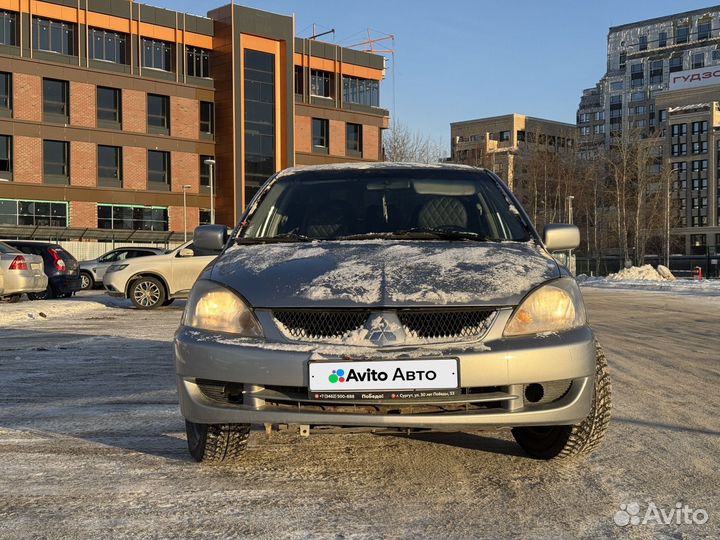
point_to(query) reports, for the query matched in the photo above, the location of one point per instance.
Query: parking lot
(92, 444)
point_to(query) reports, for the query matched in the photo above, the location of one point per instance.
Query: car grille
(446, 324)
(319, 324)
(420, 325)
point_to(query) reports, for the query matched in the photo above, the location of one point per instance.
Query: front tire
(216, 443)
(12, 299)
(147, 293)
(86, 281)
(560, 442)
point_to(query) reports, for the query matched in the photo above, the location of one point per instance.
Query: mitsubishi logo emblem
(385, 329)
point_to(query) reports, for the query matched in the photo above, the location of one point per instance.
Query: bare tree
(400, 143)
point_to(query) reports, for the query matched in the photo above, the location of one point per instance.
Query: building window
(599, 115)
(700, 147)
(53, 36)
(704, 30)
(678, 149)
(8, 28)
(353, 138)
(682, 34)
(662, 39)
(699, 165)
(109, 163)
(637, 75)
(504, 136)
(56, 104)
(5, 90)
(616, 86)
(622, 60)
(132, 218)
(699, 128)
(158, 167)
(204, 216)
(662, 115)
(33, 213)
(643, 43)
(656, 72)
(698, 60)
(6, 156)
(582, 118)
(320, 131)
(585, 130)
(679, 168)
(158, 113)
(521, 135)
(259, 102)
(676, 64)
(205, 171)
(108, 105)
(156, 54)
(198, 62)
(299, 80)
(56, 160)
(678, 130)
(361, 91)
(320, 83)
(108, 46)
(207, 117)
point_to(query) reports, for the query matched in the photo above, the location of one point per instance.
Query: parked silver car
(400, 296)
(20, 273)
(157, 280)
(93, 271)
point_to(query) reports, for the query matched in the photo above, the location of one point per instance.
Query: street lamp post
(570, 208)
(185, 188)
(211, 170)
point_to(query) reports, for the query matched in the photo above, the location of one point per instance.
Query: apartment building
(109, 110)
(662, 76)
(496, 142)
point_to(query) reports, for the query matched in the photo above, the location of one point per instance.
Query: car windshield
(417, 204)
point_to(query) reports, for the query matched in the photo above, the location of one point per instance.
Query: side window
(122, 255)
(108, 257)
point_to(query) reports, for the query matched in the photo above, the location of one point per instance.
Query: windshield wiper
(278, 238)
(420, 233)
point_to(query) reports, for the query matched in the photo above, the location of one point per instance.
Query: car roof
(31, 243)
(381, 166)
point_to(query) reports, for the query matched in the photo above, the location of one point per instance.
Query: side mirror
(559, 236)
(187, 252)
(210, 238)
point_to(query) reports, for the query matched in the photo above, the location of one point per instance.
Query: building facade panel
(82, 104)
(28, 160)
(83, 164)
(27, 97)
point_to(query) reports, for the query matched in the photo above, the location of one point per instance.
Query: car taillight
(57, 261)
(18, 263)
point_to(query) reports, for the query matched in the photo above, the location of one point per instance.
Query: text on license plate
(384, 375)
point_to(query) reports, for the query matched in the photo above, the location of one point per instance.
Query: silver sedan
(20, 273)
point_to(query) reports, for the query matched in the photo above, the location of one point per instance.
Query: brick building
(109, 109)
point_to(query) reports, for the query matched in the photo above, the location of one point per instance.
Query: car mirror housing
(559, 236)
(186, 252)
(210, 238)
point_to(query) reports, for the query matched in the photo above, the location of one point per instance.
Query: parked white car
(92, 272)
(154, 281)
(20, 273)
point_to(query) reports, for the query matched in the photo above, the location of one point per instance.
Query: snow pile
(637, 273)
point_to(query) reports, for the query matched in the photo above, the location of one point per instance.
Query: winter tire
(147, 293)
(560, 442)
(216, 443)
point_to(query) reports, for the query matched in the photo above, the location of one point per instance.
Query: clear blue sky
(462, 59)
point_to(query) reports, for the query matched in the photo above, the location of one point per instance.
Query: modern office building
(663, 74)
(110, 108)
(497, 141)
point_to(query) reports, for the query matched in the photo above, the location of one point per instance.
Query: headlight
(215, 308)
(117, 267)
(554, 307)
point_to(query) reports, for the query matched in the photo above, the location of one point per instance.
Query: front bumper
(504, 371)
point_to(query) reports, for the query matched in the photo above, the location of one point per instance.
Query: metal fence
(680, 265)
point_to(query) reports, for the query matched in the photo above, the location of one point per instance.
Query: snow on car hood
(384, 273)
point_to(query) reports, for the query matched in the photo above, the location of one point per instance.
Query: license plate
(373, 380)
(36, 266)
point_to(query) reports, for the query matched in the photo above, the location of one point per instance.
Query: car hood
(384, 273)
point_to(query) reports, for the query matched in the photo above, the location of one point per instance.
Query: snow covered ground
(92, 443)
(647, 278)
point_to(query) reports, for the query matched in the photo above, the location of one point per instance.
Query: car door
(186, 269)
(106, 261)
